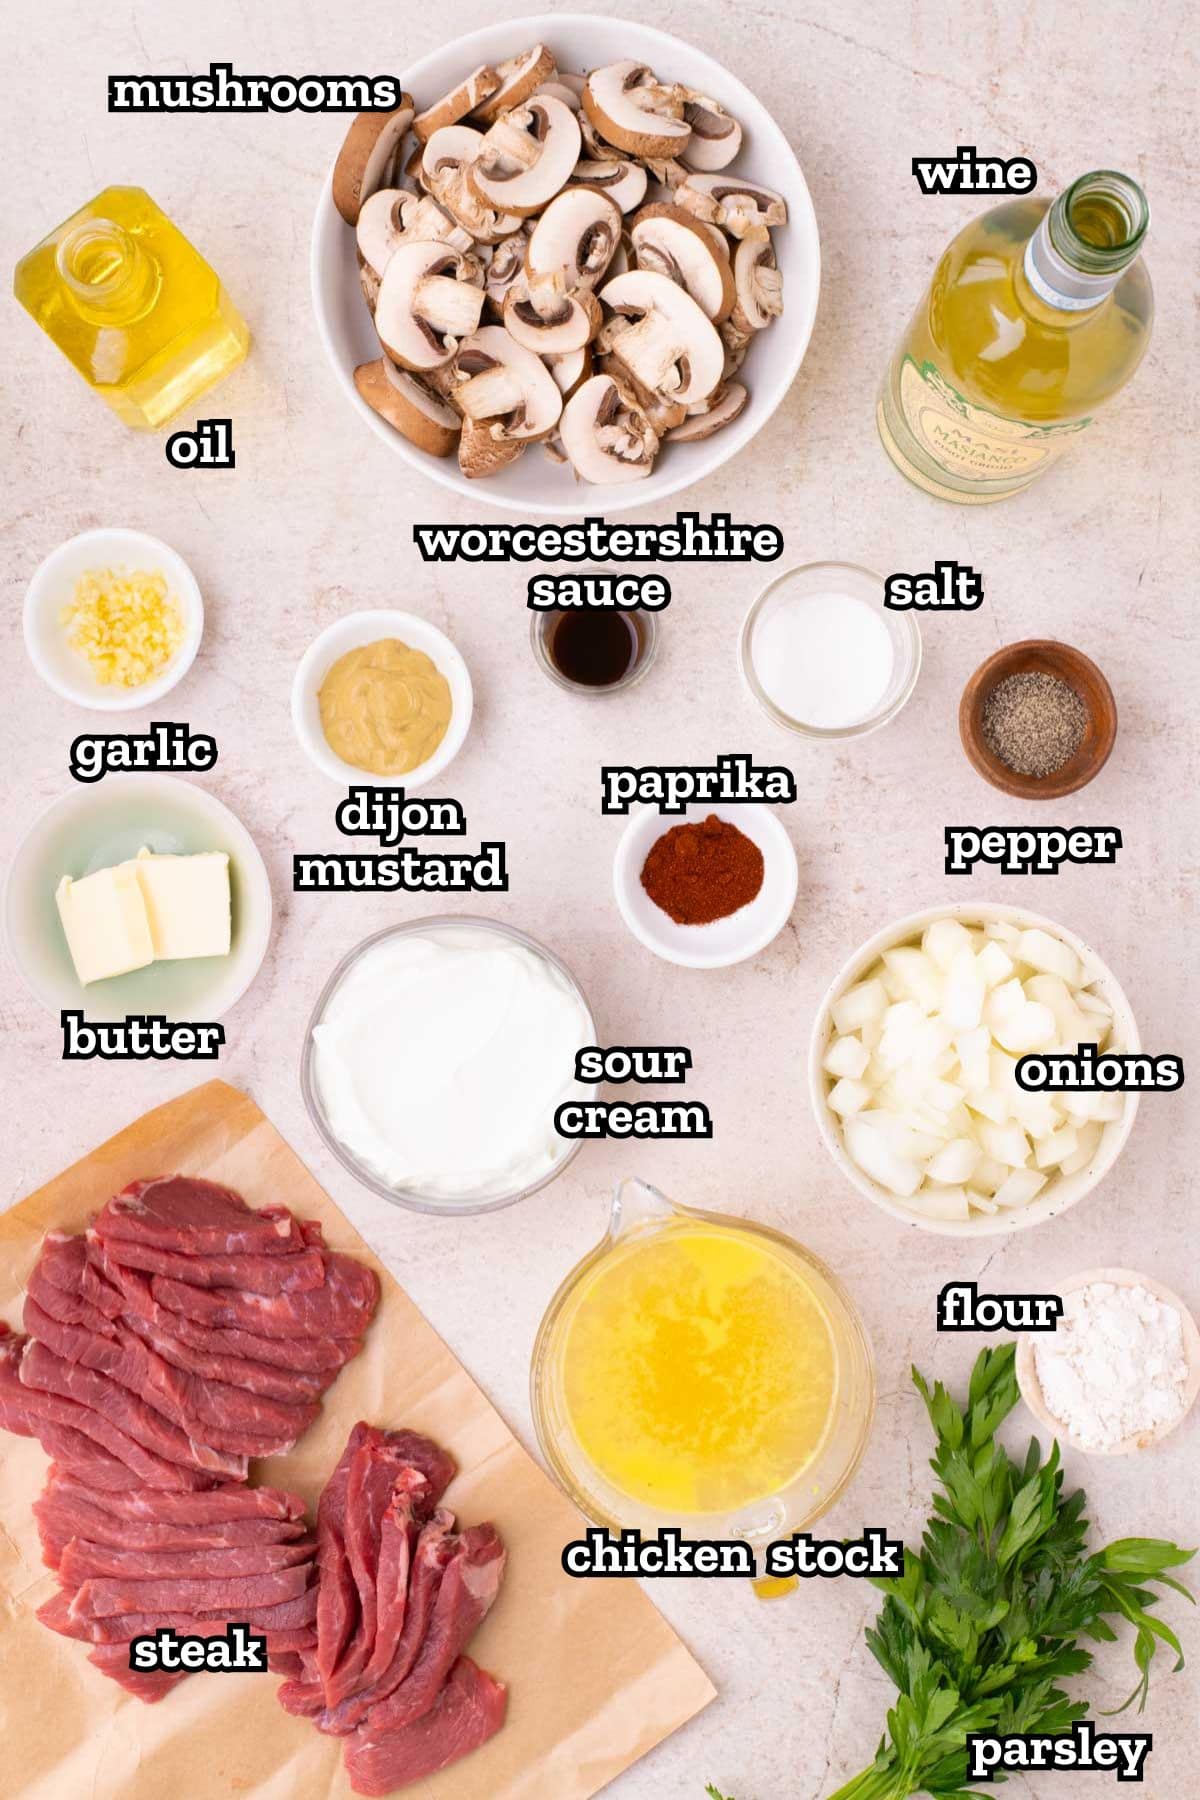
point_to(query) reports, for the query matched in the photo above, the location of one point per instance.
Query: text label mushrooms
(426, 305)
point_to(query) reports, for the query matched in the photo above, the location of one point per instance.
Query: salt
(824, 659)
(1116, 1367)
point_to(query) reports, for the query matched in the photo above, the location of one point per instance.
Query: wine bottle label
(1059, 284)
(968, 440)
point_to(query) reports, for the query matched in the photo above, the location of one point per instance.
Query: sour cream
(441, 1058)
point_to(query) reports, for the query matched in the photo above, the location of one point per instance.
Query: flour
(1116, 1367)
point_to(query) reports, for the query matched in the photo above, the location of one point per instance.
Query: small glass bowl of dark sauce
(594, 649)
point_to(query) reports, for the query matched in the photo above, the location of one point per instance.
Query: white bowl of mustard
(352, 714)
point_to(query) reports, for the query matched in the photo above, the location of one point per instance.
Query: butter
(187, 902)
(104, 917)
(149, 909)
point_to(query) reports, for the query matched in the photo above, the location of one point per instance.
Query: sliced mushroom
(558, 90)
(724, 409)
(659, 411)
(484, 451)
(623, 182)
(662, 336)
(406, 403)
(426, 305)
(576, 83)
(759, 282)
(716, 135)
(606, 437)
(507, 265)
(736, 342)
(576, 237)
(540, 314)
(570, 370)
(455, 105)
(527, 157)
(369, 157)
(519, 77)
(393, 217)
(737, 206)
(444, 164)
(667, 171)
(675, 243)
(502, 382)
(632, 109)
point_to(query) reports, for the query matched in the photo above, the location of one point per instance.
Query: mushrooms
(662, 337)
(369, 157)
(455, 105)
(633, 110)
(606, 437)
(427, 304)
(672, 242)
(576, 237)
(405, 402)
(526, 158)
(716, 135)
(613, 323)
(508, 391)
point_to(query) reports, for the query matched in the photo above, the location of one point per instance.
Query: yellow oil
(134, 306)
(990, 383)
(698, 1368)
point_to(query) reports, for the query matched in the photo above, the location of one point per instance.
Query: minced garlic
(127, 624)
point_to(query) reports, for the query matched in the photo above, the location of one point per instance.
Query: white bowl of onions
(912, 1069)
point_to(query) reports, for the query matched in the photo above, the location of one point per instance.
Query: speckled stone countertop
(315, 522)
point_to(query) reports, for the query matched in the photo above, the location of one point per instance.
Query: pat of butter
(187, 902)
(104, 917)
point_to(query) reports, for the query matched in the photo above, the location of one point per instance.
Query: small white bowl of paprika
(674, 872)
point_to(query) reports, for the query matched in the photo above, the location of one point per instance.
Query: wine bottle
(1037, 315)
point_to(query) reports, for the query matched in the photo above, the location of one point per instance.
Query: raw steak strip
(42, 1370)
(60, 1521)
(182, 1212)
(28, 1411)
(56, 1615)
(375, 1472)
(337, 1596)
(258, 1274)
(187, 1509)
(342, 1307)
(276, 1383)
(397, 1541)
(468, 1588)
(103, 1597)
(144, 1684)
(468, 1711)
(82, 1559)
(287, 1616)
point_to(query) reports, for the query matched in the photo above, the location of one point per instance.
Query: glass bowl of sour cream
(436, 1059)
(824, 657)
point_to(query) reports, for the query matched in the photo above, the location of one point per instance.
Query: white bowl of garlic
(912, 1069)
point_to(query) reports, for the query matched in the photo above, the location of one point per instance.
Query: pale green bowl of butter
(104, 823)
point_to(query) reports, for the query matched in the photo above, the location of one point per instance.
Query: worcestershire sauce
(593, 647)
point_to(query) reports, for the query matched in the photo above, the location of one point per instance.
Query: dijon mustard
(384, 707)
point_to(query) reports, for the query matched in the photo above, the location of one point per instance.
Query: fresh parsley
(989, 1616)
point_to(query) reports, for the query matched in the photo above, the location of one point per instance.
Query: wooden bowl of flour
(1031, 1387)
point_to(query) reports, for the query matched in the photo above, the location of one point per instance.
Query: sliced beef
(338, 1598)
(273, 1383)
(56, 1615)
(61, 1519)
(225, 1418)
(139, 1421)
(81, 1560)
(258, 1274)
(341, 1307)
(469, 1709)
(467, 1591)
(286, 1616)
(397, 1541)
(60, 1421)
(375, 1470)
(144, 1684)
(182, 1212)
(105, 1596)
(186, 1509)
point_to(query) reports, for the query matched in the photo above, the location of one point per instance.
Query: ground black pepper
(1034, 723)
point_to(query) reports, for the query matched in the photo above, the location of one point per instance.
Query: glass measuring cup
(643, 1218)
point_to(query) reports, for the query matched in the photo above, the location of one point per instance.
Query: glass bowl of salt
(824, 657)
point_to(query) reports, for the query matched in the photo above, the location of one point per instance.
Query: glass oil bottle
(134, 306)
(1036, 316)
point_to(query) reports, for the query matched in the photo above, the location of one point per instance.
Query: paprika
(699, 873)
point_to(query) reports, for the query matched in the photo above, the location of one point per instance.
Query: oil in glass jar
(1037, 315)
(134, 306)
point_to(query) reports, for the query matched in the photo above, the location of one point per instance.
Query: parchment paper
(595, 1676)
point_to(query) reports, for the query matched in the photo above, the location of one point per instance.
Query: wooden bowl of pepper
(1038, 719)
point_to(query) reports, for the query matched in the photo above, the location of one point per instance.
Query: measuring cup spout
(635, 1205)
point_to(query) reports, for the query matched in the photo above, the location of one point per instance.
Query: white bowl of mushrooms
(559, 274)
